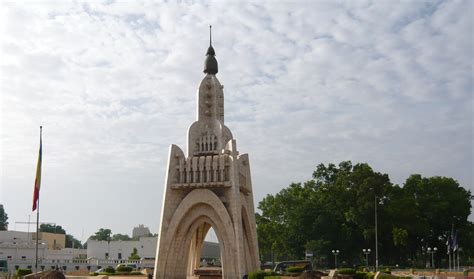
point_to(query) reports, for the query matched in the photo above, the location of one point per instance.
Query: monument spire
(209, 187)
(210, 63)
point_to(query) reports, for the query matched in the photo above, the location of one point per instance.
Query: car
(282, 266)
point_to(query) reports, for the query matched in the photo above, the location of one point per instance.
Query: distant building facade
(146, 248)
(120, 250)
(140, 231)
(18, 250)
(55, 241)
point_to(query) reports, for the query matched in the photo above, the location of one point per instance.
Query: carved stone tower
(210, 187)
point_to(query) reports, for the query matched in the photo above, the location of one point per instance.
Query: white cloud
(389, 83)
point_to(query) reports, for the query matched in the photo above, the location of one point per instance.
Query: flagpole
(37, 216)
(454, 261)
(459, 268)
(449, 256)
(37, 233)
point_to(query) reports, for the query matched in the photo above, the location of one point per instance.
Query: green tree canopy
(52, 229)
(72, 242)
(335, 210)
(134, 255)
(102, 234)
(122, 237)
(3, 219)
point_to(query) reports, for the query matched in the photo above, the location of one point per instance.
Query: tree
(134, 255)
(440, 204)
(3, 219)
(52, 229)
(335, 210)
(71, 242)
(122, 237)
(102, 235)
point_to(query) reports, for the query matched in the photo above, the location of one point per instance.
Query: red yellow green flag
(38, 174)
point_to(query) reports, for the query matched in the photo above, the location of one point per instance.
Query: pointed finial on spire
(210, 35)
(210, 64)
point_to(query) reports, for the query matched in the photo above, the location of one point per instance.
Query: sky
(114, 83)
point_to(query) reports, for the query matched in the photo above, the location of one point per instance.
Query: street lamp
(376, 234)
(432, 251)
(335, 253)
(366, 252)
(459, 250)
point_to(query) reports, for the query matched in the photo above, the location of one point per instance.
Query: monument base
(208, 273)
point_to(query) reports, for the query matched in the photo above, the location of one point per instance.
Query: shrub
(136, 273)
(260, 274)
(295, 269)
(349, 271)
(385, 276)
(93, 274)
(364, 275)
(23, 271)
(360, 275)
(272, 277)
(125, 269)
(387, 270)
(109, 269)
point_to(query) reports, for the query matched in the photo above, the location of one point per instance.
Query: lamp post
(376, 235)
(459, 250)
(335, 253)
(366, 252)
(432, 251)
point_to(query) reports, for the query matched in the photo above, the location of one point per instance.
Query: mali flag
(36, 190)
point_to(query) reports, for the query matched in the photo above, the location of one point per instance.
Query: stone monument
(208, 187)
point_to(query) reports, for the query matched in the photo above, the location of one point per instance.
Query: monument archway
(210, 187)
(196, 214)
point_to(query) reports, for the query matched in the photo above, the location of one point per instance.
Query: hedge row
(261, 274)
(295, 269)
(124, 269)
(364, 275)
(23, 271)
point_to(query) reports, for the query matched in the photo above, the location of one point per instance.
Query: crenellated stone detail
(202, 172)
(206, 144)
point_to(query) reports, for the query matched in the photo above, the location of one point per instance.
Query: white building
(18, 250)
(66, 255)
(121, 250)
(19, 246)
(6, 236)
(146, 248)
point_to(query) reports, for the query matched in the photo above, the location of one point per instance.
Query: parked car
(282, 266)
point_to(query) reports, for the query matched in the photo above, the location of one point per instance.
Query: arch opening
(186, 233)
(205, 258)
